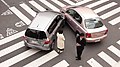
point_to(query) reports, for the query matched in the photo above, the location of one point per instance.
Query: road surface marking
(28, 9)
(114, 50)
(18, 58)
(96, 3)
(112, 12)
(8, 12)
(49, 5)
(107, 58)
(59, 3)
(118, 42)
(115, 21)
(62, 63)
(94, 63)
(12, 37)
(42, 60)
(20, 15)
(82, 2)
(1, 36)
(36, 5)
(105, 7)
(5, 3)
(69, 2)
(10, 31)
(11, 48)
(19, 24)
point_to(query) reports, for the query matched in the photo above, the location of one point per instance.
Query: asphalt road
(15, 54)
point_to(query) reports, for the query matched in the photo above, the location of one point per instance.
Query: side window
(70, 12)
(75, 15)
(53, 25)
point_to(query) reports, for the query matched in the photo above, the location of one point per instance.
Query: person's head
(60, 31)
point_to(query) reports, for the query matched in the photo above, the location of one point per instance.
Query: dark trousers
(79, 51)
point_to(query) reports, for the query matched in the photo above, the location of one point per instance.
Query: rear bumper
(41, 47)
(96, 39)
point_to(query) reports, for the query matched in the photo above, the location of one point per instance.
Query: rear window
(35, 34)
(93, 23)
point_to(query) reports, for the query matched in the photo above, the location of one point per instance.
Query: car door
(74, 19)
(54, 26)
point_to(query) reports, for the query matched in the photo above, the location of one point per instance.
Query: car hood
(103, 28)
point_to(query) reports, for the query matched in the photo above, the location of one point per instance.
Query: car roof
(43, 20)
(86, 12)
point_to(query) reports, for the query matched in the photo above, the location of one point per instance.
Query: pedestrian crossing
(104, 56)
(51, 55)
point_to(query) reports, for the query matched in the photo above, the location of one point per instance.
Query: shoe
(78, 58)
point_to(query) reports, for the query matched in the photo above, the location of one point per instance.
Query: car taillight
(47, 42)
(106, 31)
(88, 35)
(24, 37)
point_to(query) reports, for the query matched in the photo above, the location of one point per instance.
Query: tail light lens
(88, 35)
(47, 41)
(106, 31)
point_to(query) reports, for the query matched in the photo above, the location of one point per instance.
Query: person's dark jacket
(81, 42)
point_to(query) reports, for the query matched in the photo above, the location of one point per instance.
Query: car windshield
(93, 23)
(35, 34)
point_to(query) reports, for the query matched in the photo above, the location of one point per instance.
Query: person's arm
(63, 37)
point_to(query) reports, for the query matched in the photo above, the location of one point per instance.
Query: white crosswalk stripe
(82, 2)
(49, 5)
(112, 12)
(20, 15)
(118, 42)
(96, 3)
(59, 3)
(47, 57)
(94, 63)
(105, 7)
(11, 48)
(28, 9)
(62, 63)
(114, 50)
(43, 59)
(36, 5)
(18, 58)
(107, 58)
(115, 21)
(12, 37)
(69, 2)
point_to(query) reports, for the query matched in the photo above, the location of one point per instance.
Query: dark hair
(81, 34)
(60, 31)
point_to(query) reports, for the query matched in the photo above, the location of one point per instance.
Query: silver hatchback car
(85, 20)
(41, 33)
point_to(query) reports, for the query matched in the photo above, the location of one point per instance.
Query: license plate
(97, 40)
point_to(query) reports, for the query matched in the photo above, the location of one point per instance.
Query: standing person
(80, 43)
(60, 41)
